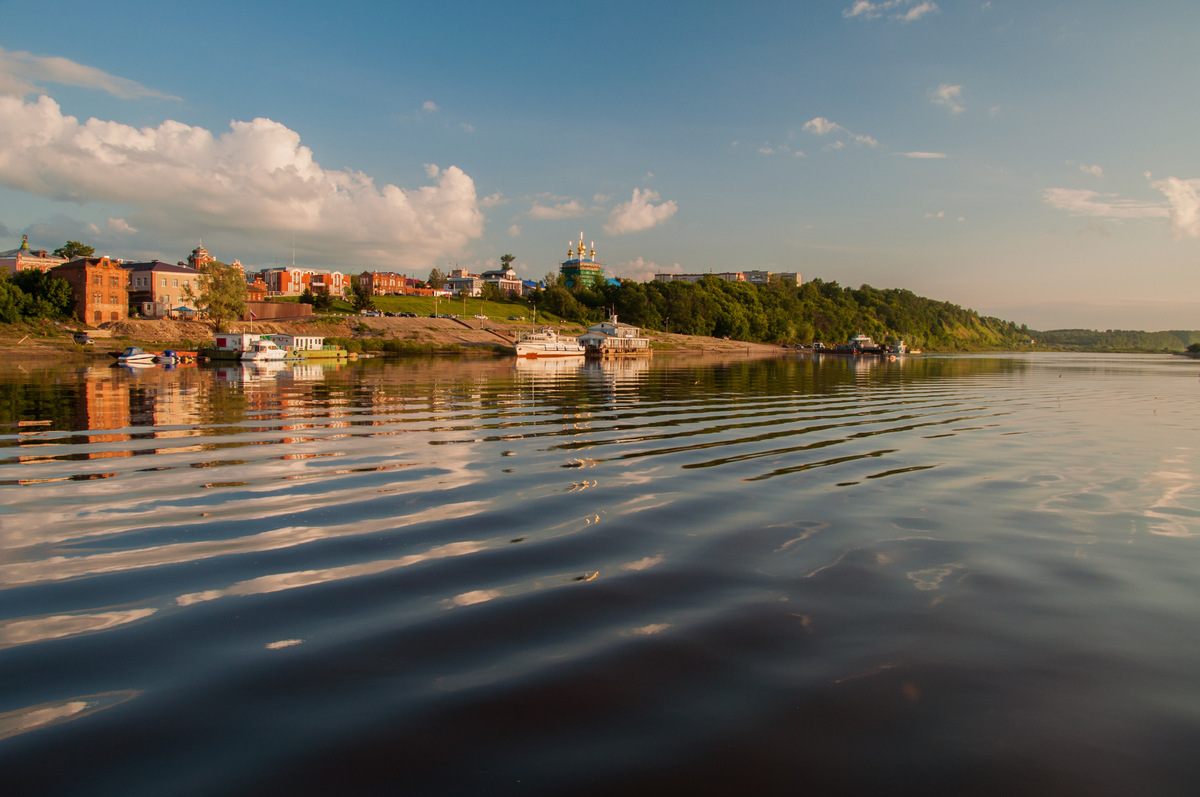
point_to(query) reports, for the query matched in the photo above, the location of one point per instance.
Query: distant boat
(546, 343)
(135, 355)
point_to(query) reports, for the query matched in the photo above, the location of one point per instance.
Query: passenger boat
(612, 339)
(135, 355)
(261, 350)
(545, 342)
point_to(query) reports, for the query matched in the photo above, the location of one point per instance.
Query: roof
(158, 265)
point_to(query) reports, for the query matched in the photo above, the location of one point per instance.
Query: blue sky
(1035, 161)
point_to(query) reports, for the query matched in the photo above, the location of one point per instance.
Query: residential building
(581, 266)
(763, 277)
(26, 258)
(461, 281)
(382, 283)
(505, 279)
(293, 281)
(728, 276)
(156, 288)
(100, 288)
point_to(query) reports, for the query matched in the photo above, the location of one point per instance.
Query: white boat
(546, 343)
(262, 350)
(135, 355)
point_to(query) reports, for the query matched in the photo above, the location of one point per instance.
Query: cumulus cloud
(1094, 170)
(1184, 199)
(924, 155)
(252, 181)
(429, 106)
(514, 231)
(894, 9)
(639, 213)
(491, 200)
(639, 270)
(564, 210)
(823, 127)
(20, 72)
(949, 97)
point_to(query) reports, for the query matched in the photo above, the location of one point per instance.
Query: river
(963, 574)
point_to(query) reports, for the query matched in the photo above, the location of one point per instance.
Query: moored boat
(135, 355)
(261, 350)
(545, 342)
(611, 339)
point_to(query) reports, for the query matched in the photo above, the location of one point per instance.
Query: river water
(968, 574)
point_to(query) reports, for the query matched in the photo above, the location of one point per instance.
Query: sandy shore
(47, 338)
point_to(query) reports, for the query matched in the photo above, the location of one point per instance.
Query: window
(95, 298)
(97, 280)
(97, 317)
(164, 283)
(174, 283)
(114, 282)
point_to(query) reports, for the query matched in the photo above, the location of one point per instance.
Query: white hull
(546, 343)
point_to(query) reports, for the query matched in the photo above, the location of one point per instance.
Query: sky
(1035, 161)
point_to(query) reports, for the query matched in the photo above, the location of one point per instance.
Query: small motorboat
(135, 355)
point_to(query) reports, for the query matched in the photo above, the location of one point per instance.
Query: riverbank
(49, 338)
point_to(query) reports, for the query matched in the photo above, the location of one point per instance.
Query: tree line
(781, 312)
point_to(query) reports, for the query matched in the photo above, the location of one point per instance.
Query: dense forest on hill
(1118, 340)
(783, 313)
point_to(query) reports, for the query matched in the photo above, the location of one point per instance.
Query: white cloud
(1084, 202)
(491, 200)
(1184, 197)
(19, 71)
(1094, 170)
(639, 214)
(429, 106)
(868, 10)
(917, 12)
(941, 214)
(466, 127)
(514, 231)
(821, 126)
(565, 210)
(924, 155)
(766, 150)
(949, 97)
(639, 270)
(120, 226)
(252, 181)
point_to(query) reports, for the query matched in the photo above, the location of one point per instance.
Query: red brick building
(100, 288)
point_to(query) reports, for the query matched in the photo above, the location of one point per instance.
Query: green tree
(306, 297)
(73, 249)
(506, 261)
(45, 296)
(436, 278)
(490, 292)
(322, 300)
(220, 289)
(363, 300)
(12, 301)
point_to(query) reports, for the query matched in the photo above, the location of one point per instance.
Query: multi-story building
(157, 288)
(293, 281)
(382, 283)
(581, 266)
(100, 288)
(506, 280)
(461, 281)
(728, 276)
(25, 258)
(763, 277)
(199, 257)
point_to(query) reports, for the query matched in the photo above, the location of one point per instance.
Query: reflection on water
(973, 573)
